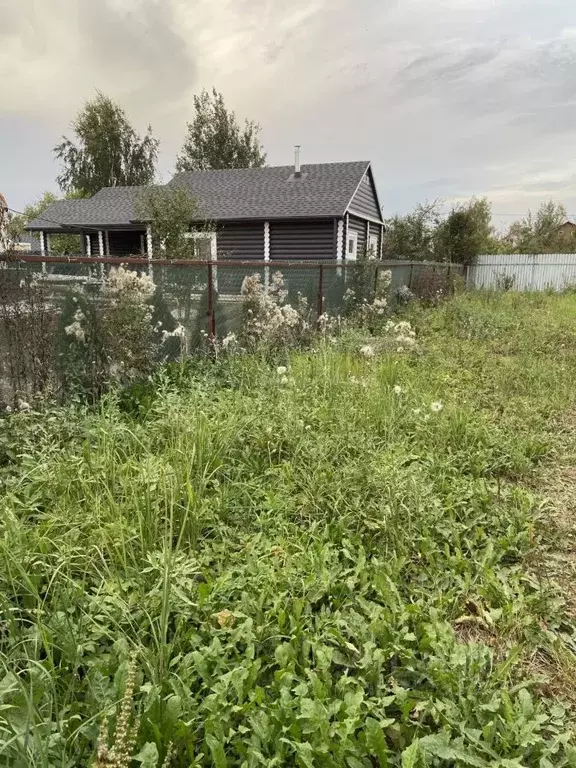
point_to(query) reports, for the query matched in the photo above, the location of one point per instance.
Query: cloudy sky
(448, 98)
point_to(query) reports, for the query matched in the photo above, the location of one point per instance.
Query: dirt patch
(555, 560)
(556, 676)
(559, 486)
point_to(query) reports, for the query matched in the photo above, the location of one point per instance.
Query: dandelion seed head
(367, 351)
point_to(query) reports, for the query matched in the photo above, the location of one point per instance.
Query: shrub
(27, 328)
(267, 319)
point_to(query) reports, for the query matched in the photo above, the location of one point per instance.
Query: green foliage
(171, 213)
(59, 244)
(107, 151)
(115, 335)
(541, 232)
(412, 236)
(82, 355)
(215, 139)
(425, 235)
(466, 232)
(322, 571)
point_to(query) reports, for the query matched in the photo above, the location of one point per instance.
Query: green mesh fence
(36, 300)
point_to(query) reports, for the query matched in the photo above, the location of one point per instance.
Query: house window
(373, 244)
(352, 246)
(204, 245)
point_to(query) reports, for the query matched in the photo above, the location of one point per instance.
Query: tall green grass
(323, 573)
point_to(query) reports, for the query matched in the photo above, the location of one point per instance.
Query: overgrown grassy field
(344, 569)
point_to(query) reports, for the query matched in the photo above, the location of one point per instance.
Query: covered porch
(118, 242)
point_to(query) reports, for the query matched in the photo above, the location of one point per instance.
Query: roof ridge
(276, 167)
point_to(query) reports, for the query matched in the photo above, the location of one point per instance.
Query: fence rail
(273, 263)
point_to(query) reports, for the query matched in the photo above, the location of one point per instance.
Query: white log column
(266, 253)
(339, 240)
(101, 251)
(149, 250)
(42, 250)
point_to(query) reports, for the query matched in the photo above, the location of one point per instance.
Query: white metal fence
(524, 272)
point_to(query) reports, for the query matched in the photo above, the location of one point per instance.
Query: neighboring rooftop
(322, 190)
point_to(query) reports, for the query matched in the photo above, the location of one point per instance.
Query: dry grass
(556, 561)
(559, 486)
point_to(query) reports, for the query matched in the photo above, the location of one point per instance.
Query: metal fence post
(211, 316)
(411, 276)
(320, 305)
(376, 278)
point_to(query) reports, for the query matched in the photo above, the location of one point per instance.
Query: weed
(324, 560)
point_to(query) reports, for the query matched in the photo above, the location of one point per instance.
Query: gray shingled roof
(111, 206)
(247, 193)
(270, 193)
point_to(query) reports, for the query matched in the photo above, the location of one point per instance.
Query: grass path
(350, 566)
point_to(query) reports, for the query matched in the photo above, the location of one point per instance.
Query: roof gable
(364, 201)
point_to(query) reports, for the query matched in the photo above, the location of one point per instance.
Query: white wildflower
(229, 340)
(284, 381)
(124, 283)
(281, 370)
(379, 306)
(404, 294)
(367, 351)
(23, 405)
(385, 277)
(75, 328)
(397, 389)
(308, 427)
(179, 332)
(436, 407)
(8, 409)
(417, 411)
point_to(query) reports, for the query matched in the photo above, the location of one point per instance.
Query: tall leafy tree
(424, 235)
(412, 236)
(466, 232)
(106, 152)
(215, 140)
(541, 232)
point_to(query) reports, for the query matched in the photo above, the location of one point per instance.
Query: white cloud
(448, 98)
